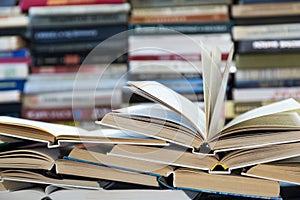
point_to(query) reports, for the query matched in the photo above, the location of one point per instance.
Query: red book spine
(26, 4)
(15, 60)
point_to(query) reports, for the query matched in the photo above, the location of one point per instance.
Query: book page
(217, 118)
(174, 101)
(278, 107)
(206, 71)
(156, 111)
(53, 129)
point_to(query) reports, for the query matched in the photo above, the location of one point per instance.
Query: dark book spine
(11, 84)
(60, 35)
(10, 108)
(64, 114)
(79, 47)
(267, 83)
(267, 20)
(268, 46)
(78, 20)
(190, 28)
(77, 59)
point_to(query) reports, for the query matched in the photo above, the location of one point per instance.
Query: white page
(163, 95)
(156, 111)
(206, 64)
(217, 118)
(278, 107)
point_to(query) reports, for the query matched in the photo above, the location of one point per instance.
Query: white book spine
(10, 96)
(164, 66)
(79, 9)
(265, 94)
(14, 71)
(181, 10)
(70, 98)
(267, 74)
(282, 31)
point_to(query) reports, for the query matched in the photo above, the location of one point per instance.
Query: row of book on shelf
(170, 143)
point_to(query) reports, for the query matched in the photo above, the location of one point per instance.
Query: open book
(55, 134)
(177, 120)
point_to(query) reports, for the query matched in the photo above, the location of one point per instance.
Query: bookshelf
(43, 47)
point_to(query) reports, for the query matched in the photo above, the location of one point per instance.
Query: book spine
(117, 68)
(180, 10)
(14, 71)
(64, 114)
(34, 87)
(265, 94)
(12, 84)
(21, 53)
(47, 35)
(10, 108)
(190, 28)
(267, 74)
(77, 59)
(158, 3)
(267, 83)
(141, 77)
(268, 46)
(78, 20)
(262, 32)
(78, 99)
(265, 1)
(182, 57)
(139, 67)
(234, 109)
(70, 10)
(15, 60)
(26, 4)
(10, 96)
(180, 18)
(267, 60)
(265, 10)
(78, 47)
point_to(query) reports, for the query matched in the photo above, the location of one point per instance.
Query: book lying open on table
(55, 134)
(177, 120)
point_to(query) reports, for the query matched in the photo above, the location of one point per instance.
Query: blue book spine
(63, 35)
(21, 53)
(12, 84)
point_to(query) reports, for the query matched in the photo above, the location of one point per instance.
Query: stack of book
(14, 58)
(169, 145)
(68, 60)
(164, 42)
(267, 50)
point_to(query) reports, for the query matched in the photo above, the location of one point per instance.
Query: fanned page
(161, 94)
(217, 121)
(278, 107)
